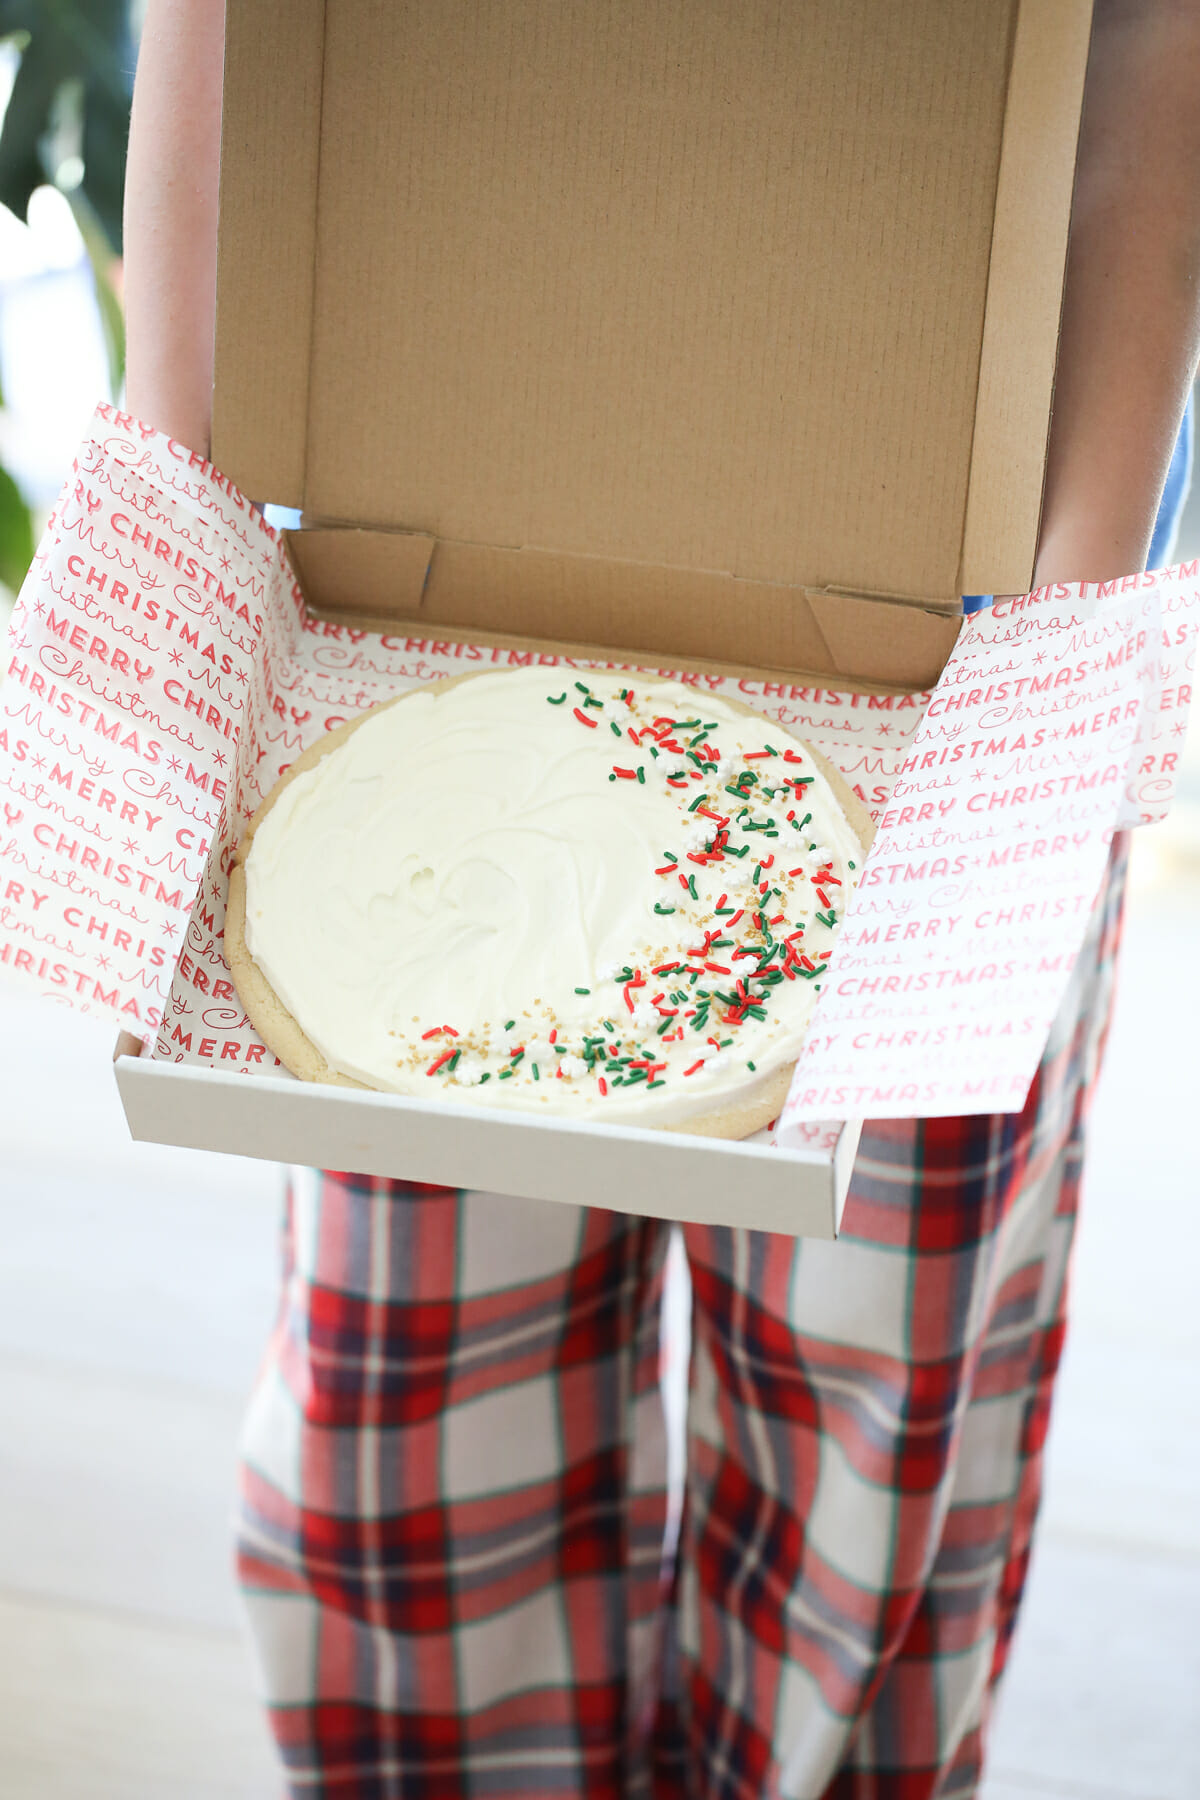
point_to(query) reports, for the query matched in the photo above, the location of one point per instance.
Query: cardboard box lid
(761, 288)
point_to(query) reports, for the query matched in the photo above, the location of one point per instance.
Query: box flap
(701, 287)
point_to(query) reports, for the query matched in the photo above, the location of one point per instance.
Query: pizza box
(716, 337)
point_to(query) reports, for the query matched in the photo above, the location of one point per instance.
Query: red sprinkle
(795, 871)
(634, 738)
(730, 923)
(792, 756)
(718, 968)
(435, 1066)
(694, 1067)
(824, 898)
(603, 1085)
(755, 755)
(766, 861)
(584, 720)
(438, 1030)
(554, 1034)
(667, 869)
(665, 969)
(721, 902)
(625, 774)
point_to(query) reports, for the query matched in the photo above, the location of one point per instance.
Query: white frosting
(464, 863)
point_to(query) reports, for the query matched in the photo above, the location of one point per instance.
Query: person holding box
(454, 1541)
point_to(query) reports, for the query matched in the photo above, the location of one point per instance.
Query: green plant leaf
(16, 533)
(112, 320)
(67, 42)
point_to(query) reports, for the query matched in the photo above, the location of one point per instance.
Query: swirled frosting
(608, 896)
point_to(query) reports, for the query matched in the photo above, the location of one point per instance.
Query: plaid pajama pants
(461, 1567)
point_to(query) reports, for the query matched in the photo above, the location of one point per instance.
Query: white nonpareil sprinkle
(469, 1072)
(572, 1065)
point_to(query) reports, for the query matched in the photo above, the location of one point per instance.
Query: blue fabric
(1170, 508)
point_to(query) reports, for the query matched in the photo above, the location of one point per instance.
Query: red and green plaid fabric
(455, 1543)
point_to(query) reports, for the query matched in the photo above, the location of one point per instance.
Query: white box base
(663, 1175)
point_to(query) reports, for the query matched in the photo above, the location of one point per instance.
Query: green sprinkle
(736, 792)
(510, 1025)
(698, 801)
(750, 1065)
(757, 876)
(583, 690)
(553, 702)
(807, 820)
(583, 990)
(663, 909)
(560, 1049)
(504, 1074)
(641, 773)
(653, 751)
(657, 1082)
(612, 778)
(614, 728)
(516, 1059)
(851, 865)
(608, 1025)
(659, 1029)
(536, 1074)
(691, 882)
(453, 1063)
(829, 920)
(592, 701)
(486, 1076)
(667, 857)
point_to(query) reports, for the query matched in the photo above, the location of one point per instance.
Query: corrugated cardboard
(658, 324)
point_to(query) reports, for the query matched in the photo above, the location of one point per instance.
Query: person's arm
(171, 218)
(1131, 312)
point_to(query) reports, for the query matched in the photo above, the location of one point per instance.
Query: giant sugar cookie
(610, 897)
